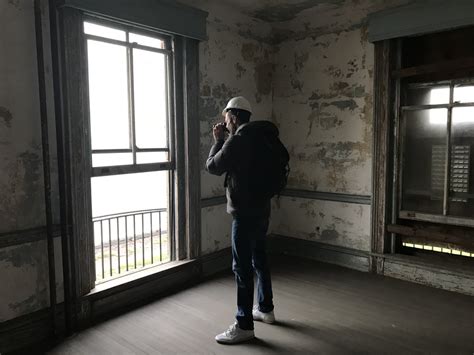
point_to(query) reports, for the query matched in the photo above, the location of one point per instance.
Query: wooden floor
(320, 309)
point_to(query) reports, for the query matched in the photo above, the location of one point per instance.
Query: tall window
(431, 191)
(130, 122)
(437, 135)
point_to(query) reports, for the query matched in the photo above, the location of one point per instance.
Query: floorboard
(320, 308)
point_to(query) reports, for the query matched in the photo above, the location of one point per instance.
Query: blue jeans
(248, 252)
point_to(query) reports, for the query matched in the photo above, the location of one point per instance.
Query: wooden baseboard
(216, 262)
(350, 258)
(25, 332)
(31, 331)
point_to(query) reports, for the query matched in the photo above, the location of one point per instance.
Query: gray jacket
(234, 157)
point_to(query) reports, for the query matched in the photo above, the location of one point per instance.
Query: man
(250, 213)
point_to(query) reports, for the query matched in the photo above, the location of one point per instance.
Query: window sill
(138, 278)
(426, 217)
(439, 263)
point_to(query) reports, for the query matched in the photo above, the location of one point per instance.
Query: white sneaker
(268, 317)
(234, 335)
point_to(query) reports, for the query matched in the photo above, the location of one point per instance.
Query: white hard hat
(238, 102)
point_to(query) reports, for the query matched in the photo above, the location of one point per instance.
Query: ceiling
(277, 10)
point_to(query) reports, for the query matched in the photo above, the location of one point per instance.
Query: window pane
(462, 172)
(111, 159)
(463, 93)
(151, 157)
(146, 41)
(424, 160)
(108, 95)
(129, 192)
(434, 95)
(103, 31)
(150, 99)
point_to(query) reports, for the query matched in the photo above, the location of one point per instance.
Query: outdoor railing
(130, 241)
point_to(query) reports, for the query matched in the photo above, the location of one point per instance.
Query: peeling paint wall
(21, 173)
(334, 223)
(235, 60)
(323, 89)
(23, 268)
(24, 278)
(215, 229)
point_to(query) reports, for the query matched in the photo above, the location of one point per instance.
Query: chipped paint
(286, 12)
(215, 229)
(26, 272)
(240, 70)
(6, 116)
(334, 223)
(231, 64)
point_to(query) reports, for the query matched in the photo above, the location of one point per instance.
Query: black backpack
(269, 169)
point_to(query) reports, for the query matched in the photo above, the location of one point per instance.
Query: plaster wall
(23, 268)
(323, 105)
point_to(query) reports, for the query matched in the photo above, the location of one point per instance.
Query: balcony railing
(130, 241)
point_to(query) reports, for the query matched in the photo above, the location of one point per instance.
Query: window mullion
(447, 174)
(131, 101)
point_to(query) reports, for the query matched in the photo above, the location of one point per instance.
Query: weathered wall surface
(21, 173)
(235, 60)
(215, 229)
(330, 222)
(323, 106)
(23, 269)
(232, 62)
(24, 278)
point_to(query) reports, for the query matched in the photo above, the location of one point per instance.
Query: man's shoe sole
(230, 342)
(264, 321)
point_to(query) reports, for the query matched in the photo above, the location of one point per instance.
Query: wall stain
(31, 258)
(22, 190)
(24, 255)
(329, 121)
(352, 68)
(15, 3)
(311, 118)
(296, 83)
(33, 303)
(7, 116)
(248, 51)
(300, 61)
(281, 35)
(263, 77)
(240, 70)
(205, 90)
(329, 234)
(334, 72)
(336, 90)
(287, 12)
(341, 104)
(338, 220)
(222, 94)
(334, 158)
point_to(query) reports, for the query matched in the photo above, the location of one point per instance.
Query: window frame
(170, 165)
(168, 51)
(399, 160)
(74, 169)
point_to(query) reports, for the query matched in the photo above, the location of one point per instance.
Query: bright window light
(146, 41)
(463, 94)
(439, 96)
(103, 31)
(460, 114)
